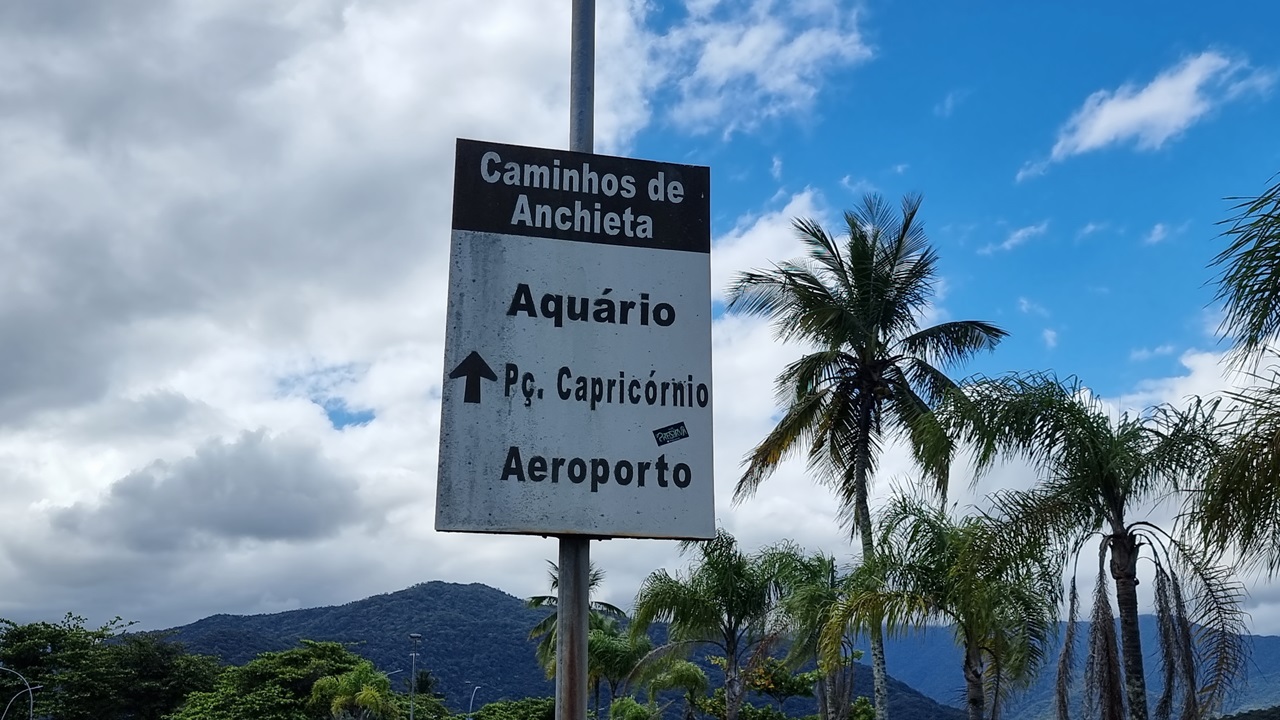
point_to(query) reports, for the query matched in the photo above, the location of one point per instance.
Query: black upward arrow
(473, 367)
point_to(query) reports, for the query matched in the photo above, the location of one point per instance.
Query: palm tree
(363, 693)
(612, 656)
(545, 632)
(680, 675)
(1249, 285)
(1239, 505)
(809, 588)
(875, 374)
(999, 597)
(724, 600)
(1097, 472)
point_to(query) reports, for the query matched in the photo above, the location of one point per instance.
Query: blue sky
(955, 100)
(224, 234)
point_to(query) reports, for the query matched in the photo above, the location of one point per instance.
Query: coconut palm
(1000, 597)
(809, 587)
(545, 631)
(874, 373)
(724, 600)
(1099, 471)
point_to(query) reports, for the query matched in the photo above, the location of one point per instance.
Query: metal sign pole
(575, 553)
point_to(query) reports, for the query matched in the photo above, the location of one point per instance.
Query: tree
(523, 709)
(725, 600)
(682, 675)
(545, 631)
(999, 595)
(809, 588)
(1239, 505)
(1249, 286)
(101, 673)
(273, 686)
(874, 375)
(1097, 471)
(156, 675)
(361, 693)
(612, 656)
(68, 660)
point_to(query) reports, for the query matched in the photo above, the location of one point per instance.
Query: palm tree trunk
(1124, 570)
(732, 684)
(862, 515)
(975, 696)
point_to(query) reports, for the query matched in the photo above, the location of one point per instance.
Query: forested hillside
(471, 634)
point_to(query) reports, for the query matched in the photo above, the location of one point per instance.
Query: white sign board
(577, 388)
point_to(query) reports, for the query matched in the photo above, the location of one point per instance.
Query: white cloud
(737, 63)
(948, 104)
(760, 241)
(858, 187)
(1090, 228)
(1029, 307)
(1050, 338)
(1141, 354)
(775, 168)
(900, 168)
(1158, 233)
(1016, 238)
(1151, 115)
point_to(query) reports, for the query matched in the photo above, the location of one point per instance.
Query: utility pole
(575, 550)
(413, 671)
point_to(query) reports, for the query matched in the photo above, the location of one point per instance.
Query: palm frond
(1104, 686)
(1067, 659)
(1249, 286)
(952, 342)
(1238, 502)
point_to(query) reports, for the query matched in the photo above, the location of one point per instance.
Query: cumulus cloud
(1016, 238)
(1050, 338)
(1157, 234)
(254, 488)
(1148, 116)
(752, 60)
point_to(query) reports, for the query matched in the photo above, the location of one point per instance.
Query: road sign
(577, 388)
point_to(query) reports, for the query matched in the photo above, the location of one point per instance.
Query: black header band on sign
(583, 197)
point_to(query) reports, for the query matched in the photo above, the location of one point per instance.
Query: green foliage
(725, 600)
(540, 708)
(100, 674)
(774, 679)
(1098, 470)
(273, 686)
(545, 631)
(362, 693)
(626, 708)
(874, 374)
(999, 594)
(1249, 285)
(862, 709)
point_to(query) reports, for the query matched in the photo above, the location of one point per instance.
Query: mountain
(471, 634)
(916, 660)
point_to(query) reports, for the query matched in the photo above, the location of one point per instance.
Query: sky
(224, 231)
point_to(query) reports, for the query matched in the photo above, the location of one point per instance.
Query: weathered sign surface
(577, 390)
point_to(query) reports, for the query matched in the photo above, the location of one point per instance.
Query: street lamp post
(412, 674)
(30, 691)
(473, 701)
